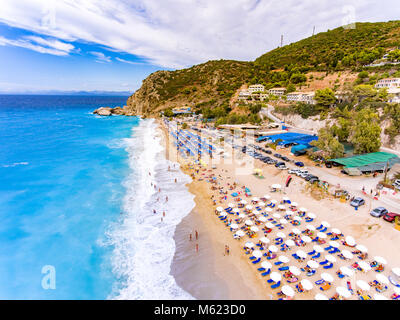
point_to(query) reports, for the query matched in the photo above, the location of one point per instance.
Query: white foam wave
(143, 244)
(15, 164)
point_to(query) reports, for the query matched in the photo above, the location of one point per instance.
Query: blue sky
(114, 44)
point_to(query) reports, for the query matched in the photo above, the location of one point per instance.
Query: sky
(112, 45)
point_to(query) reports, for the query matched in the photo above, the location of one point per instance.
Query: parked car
(293, 171)
(282, 167)
(390, 216)
(378, 212)
(299, 164)
(300, 153)
(285, 158)
(300, 172)
(309, 176)
(277, 155)
(303, 175)
(280, 163)
(356, 202)
(313, 180)
(328, 164)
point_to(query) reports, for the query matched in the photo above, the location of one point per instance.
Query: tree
(290, 88)
(366, 132)
(168, 113)
(298, 78)
(329, 144)
(325, 97)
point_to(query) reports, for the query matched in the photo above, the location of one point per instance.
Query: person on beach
(163, 214)
(197, 235)
(166, 199)
(154, 211)
(190, 237)
(197, 247)
(175, 180)
(227, 250)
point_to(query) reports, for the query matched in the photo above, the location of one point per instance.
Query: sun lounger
(261, 269)
(299, 289)
(324, 229)
(320, 281)
(256, 261)
(334, 250)
(328, 248)
(278, 263)
(311, 253)
(266, 273)
(334, 297)
(308, 219)
(395, 296)
(329, 266)
(325, 286)
(283, 268)
(320, 227)
(272, 256)
(252, 258)
(311, 273)
(316, 256)
(349, 286)
(276, 285)
(340, 275)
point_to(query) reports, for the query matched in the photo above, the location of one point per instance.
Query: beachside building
(393, 95)
(306, 97)
(182, 110)
(277, 91)
(244, 95)
(388, 83)
(256, 88)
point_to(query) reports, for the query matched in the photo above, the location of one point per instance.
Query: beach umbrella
(336, 231)
(275, 276)
(311, 215)
(268, 209)
(283, 259)
(272, 249)
(254, 229)
(240, 233)
(326, 277)
(267, 196)
(269, 225)
(283, 221)
(223, 214)
(231, 205)
(363, 285)
(236, 210)
(382, 278)
(347, 254)
(294, 270)
(307, 285)
(288, 291)
(301, 254)
(318, 248)
(306, 239)
(281, 235)
(294, 204)
(325, 224)
(264, 240)
(249, 244)
(297, 218)
(281, 206)
(257, 253)
(334, 244)
(362, 248)
(249, 207)
(396, 272)
(379, 297)
(262, 219)
(255, 199)
(261, 204)
(364, 266)
(380, 260)
(320, 296)
(234, 226)
(350, 241)
(310, 227)
(321, 235)
(266, 264)
(219, 209)
(273, 201)
(243, 202)
(330, 258)
(396, 290)
(344, 292)
(276, 215)
(313, 264)
(285, 198)
(276, 186)
(346, 271)
(288, 213)
(302, 209)
(242, 215)
(249, 222)
(289, 243)
(296, 231)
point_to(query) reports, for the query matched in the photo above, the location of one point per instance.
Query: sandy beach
(209, 274)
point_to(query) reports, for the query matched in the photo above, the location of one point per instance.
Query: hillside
(212, 84)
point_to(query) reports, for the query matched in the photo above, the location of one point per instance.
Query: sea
(84, 212)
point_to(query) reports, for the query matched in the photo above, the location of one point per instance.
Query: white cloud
(178, 33)
(100, 57)
(127, 61)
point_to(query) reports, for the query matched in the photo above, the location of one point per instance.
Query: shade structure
(318, 248)
(243, 201)
(307, 285)
(327, 277)
(380, 260)
(334, 244)
(249, 244)
(290, 243)
(293, 269)
(272, 249)
(231, 205)
(281, 235)
(249, 207)
(313, 264)
(364, 266)
(347, 254)
(249, 222)
(382, 278)
(234, 226)
(275, 276)
(254, 229)
(311, 215)
(321, 235)
(273, 201)
(350, 241)
(287, 290)
(276, 186)
(325, 224)
(264, 240)
(296, 231)
(320, 296)
(330, 258)
(310, 227)
(235, 210)
(301, 254)
(379, 297)
(344, 292)
(283, 259)
(302, 209)
(294, 204)
(283, 221)
(269, 225)
(362, 248)
(257, 253)
(266, 264)
(336, 231)
(276, 215)
(262, 219)
(239, 233)
(346, 271)
(266, 196)
(281, 206)
(363, 285)
(306, 239)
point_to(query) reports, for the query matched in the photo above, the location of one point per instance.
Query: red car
(390, 216)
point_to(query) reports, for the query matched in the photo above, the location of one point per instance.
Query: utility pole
(281, 40)
(313, 32)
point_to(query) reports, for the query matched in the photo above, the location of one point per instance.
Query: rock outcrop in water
(107, 111)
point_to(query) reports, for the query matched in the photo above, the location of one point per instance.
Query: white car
(293, 171)
(300, 172)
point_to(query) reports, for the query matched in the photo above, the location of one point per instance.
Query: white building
(277, 91)
(388, 83)
(307, 97)
(394, 95)
(244, 94)
(256, 88)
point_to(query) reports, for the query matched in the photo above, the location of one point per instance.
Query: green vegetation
(325, 98)
(304, 109)
(392, 113)
(329, 144)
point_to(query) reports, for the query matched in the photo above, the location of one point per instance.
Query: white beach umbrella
(379, 297)
(266, 264)
(347, 271)
(281, 206)
(285, 198)
(254, 229)
(255, 199)
(273, 201)
(302, 209)
(310, 227)
(223, 214)
(249, 222)
(275, 276)
(262, 219)
(264, 240)
(396, 290)
(243, 202)
(261, 204)
(249, 244)
(364, 266)
(334, 244)
(318, 248)
(272, 249)
(239, 233)
(307, 285)
(321, 235)
(320, 296)
(249, 207)
(294, 270)
(313, 264)
(236, 210)
(283, 259)
(231, 205)
(276, 186)
(336, 231)
(266, 196)
(363, 285)
(290, 243)
(362, 248)
(296, 231)
(350, 241)
(288, 291)
(268, 210)
(396, 272)
(347, 254)
(281, 235)
(382, 278)
(325, 224)
(269, 225)
(276, 215)
(297, 218)
(327, 277)
(241, 216)
(234, 226)
(283, 221)
(311, 215)
(288, 213)
(294, 204)
(330, 258)
(380, 260)
(219, 209)
(301, 254)
(344, 292)
(257, 253)
(306, 239)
